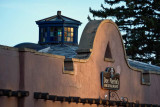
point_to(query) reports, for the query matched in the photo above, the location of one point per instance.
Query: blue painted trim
(55, 25)
(75, 35)
(48, 34)
(49, 42)
(43, 22)
(62, 39)
(58, 25)
(57, 22)
(67, 42)
(39, 40)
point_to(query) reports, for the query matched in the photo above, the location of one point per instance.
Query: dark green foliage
(139, 22)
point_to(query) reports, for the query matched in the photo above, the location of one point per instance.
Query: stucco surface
(43, 73)
(9, 75)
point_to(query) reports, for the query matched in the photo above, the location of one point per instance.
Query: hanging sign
(110, 79)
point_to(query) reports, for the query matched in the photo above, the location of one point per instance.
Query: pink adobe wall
(130, 80)
(9, 75)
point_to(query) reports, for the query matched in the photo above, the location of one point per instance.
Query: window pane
(43, 39)
(41, 30)
(55, 29)
(68, 39)
(51, 39)
(41, 34)
(55, 38)
(68, 34)
(55, 34)
(51, 34)
(71, 34)
(45, 29)
(59, 29)
(51, 29)
(59, 38)
(71, 39)
(45, 34)
(71, 29)
(65, 33)
(65, 38)
(59, 33)
(65, 29)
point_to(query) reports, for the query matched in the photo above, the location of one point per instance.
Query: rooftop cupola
(58, 29)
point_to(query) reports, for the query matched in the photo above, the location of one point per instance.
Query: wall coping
(31, 51)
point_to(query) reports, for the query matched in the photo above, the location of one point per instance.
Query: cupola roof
(58, 18)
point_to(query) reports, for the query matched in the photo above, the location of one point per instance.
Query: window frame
(69, 34)
(57, 31)
(43, 34)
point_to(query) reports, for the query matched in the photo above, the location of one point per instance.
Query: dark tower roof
(59, 18)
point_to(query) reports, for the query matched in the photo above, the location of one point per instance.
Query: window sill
(68, 72)
(146, 83)
(109, 60)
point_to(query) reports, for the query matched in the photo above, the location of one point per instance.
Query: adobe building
(96, 73)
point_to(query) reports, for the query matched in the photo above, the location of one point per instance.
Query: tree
(139, 22)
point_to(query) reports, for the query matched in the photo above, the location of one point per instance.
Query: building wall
(9, 75)
(130, 78)
(32, 71)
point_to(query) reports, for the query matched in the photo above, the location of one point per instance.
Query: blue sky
(18, 17)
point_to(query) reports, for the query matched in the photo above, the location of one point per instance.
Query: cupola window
(55, 34)
(43, 34)
(68, 34)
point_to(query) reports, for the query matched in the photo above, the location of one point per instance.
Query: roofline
(61, 18)
(72, 19)
(46, 18)
(58, 22)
